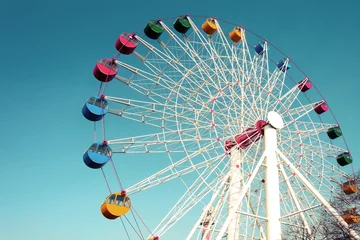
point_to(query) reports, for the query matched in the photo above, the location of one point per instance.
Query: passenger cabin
(282, 65)
(236, 34)
(305, 85)
(153, 29)
(105, 70)
(350, 187)
(334, 132)
(116, 205)
(351, 216)
(209, 26)
(153, 238)
(344, 159)
(320, 108)
(126, 43)
(259, 48)
(95, 109)
(182, 24)
(97, 155)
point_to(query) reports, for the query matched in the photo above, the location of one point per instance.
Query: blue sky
(48, 50)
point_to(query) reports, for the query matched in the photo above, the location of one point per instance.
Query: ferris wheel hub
(255, 132)
(275, 120)
(247, 137)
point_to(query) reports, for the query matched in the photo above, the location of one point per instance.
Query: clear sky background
(47, 52)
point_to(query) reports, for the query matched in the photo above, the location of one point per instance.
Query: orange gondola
(236, 34)
(351, 216)
(209, 26)
(350, 187)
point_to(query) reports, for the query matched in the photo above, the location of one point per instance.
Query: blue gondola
(259, 48)
(281, 65)
(97, 155)
(95, 108)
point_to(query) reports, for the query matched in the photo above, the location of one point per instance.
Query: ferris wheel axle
(248, 137)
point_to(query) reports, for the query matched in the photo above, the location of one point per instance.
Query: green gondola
(334, 132)
(153, 29)
(344, 159)
(182, 25)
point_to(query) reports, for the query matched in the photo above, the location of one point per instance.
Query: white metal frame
(202, 90)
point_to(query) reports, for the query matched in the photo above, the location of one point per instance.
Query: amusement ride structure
(245, 130)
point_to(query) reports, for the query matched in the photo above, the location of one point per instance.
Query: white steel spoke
(161, 87)
(154, 114)
(163, 142)
(287, 99)
(202, 186)
(297, 113)
(171, 172)
(218, 193)
(296, 201)
(317, 147)
(308, 129)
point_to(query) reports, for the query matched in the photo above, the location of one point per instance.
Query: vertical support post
(234, 193)
(272, 192)
(242, 194)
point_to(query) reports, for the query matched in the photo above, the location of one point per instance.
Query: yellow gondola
(351, 216)
(209, 26)
(350, 187)
(116, 205)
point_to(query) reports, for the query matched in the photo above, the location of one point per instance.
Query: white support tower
(234, 193)
(273, 226)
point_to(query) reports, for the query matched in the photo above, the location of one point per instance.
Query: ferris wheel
(244, 129)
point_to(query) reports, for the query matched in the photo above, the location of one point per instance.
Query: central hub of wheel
(246, 138)
(255, 132)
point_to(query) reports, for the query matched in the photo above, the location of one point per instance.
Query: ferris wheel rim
(177, 124)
